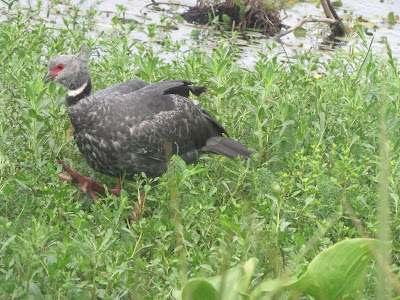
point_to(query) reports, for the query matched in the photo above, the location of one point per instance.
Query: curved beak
(49, 77)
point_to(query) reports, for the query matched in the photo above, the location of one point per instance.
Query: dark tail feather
(182, 88)
(198, 90)
(226, 147)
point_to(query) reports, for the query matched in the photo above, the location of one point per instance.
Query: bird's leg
(87, 184)
(137, 213)
(117, 190)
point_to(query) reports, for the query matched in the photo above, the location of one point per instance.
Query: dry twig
(306, 20)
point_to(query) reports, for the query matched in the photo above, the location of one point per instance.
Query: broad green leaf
(106, 239)
(225, 283)
(199, 289)
(347, 17)
(248, 269)
(337, 271)
(337, 3)
(300, 32)
(368, 24)
(233, 284)
(32, 113)
(285, 125)
(272, 286)
(392, 19)
(7, 190)
(235, 281)
(5, 244)
(43, 102)
(226, 19)
(29, 91)
(179, 18)
(34, 291)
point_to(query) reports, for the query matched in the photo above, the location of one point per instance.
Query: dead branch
(332, 9)
(163, 3)
(327, 10)
(306, 20)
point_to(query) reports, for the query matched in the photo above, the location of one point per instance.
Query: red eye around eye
(57, 69)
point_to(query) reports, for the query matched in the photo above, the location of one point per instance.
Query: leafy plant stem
(383, 287)
(35, 143)
(94, 277)
(173, 187)
(278, 217)
(297, 84)
(138, 242)
(260, 124)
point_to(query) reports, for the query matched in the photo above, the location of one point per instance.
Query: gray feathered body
(134, 126)
(119, 130)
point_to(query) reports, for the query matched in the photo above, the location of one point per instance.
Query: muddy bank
(249, 14)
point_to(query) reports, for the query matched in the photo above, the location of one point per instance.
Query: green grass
(313, 125)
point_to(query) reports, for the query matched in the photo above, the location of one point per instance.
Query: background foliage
(312, 123)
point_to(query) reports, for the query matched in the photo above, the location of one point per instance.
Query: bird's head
(69, 70)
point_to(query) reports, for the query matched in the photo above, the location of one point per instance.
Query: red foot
(87, 184)
(138, 212)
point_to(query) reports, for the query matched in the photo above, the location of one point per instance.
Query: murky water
(143, 12)
(373, 11)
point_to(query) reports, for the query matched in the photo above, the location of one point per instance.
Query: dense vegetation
(312, 123)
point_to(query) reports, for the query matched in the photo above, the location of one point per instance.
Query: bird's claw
(65, 177)
(87, 184)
